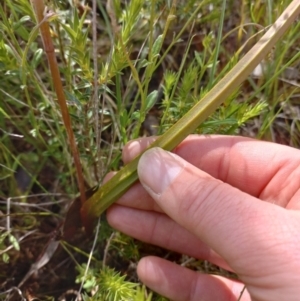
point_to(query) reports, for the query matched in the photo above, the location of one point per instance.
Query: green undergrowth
(149, 64)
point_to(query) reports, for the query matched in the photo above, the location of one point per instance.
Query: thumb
(242, 229)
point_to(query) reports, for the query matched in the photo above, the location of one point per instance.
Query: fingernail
(134, 146)
(158, 168)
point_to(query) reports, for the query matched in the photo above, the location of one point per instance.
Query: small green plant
(107, 284)
(4, 246)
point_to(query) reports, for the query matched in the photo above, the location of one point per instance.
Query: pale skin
(232, 201)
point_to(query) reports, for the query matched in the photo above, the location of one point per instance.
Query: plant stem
(42, 20)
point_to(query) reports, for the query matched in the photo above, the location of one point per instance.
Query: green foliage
(126, 247)
(7, 241)
(76, 33)
(129, 20)
(89, 280)
(187, 93)
(114, 287)
(108, 285)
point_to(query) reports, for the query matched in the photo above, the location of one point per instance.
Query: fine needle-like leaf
(120, 183)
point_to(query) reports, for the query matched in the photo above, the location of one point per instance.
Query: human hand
(232, 201)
